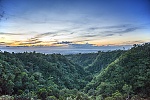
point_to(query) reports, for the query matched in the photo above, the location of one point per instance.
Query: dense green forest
(83, 60)
(111, 75)
(102, 60)
(127, 76)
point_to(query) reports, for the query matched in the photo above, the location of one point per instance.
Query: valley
(110, 75)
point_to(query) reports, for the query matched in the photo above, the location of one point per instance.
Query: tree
(127, 89)
(117, 95)
(42, 93)
(9, 87)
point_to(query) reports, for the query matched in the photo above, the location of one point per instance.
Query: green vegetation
(83, 60)
(112, 75)
(129, 75)
(103, 59)
(35, 74)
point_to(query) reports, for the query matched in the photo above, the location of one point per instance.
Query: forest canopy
(111, 75)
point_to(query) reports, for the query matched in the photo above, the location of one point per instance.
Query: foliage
(129, 74)
(38, 75)
(103, 59)
(116, 75)
(82, 59)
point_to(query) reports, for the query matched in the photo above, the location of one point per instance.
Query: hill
(103, 59)
(115, 75)
(127, 76)
(83, 60)
(36, 73)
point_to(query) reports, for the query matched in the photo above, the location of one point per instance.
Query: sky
(71, 22)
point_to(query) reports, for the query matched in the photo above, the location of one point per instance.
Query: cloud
(93, 35)
(133, 42)
(5, 43)
(64, 42)
(104, 47)
(115, 29)
(86, 45)
(109, 34)
(3, 33)
(44, 34)
(56, 33)
(71, 32)
(2, 37)
(36, 39)
(105, 31)
(119, 31)
(75, 34)
(117, 26)
(85, 40)
(127, 30)
(110, 27)
(30, 43)
(94, 28)
(47, 33)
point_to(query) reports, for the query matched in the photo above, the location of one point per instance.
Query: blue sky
(64, 22)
